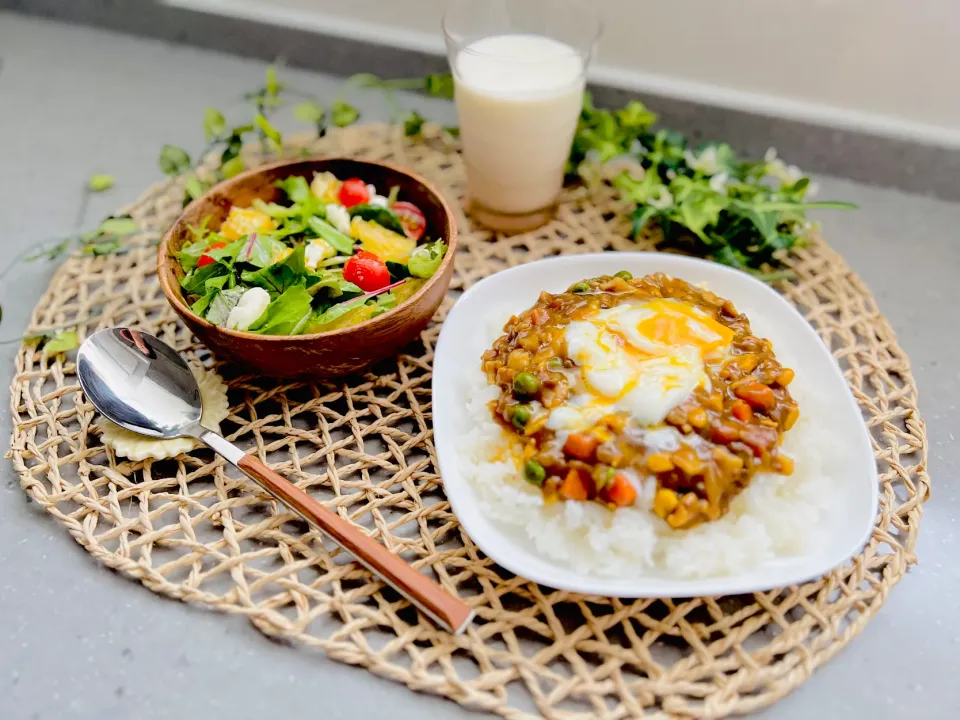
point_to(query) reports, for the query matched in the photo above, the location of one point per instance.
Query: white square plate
(464, 337)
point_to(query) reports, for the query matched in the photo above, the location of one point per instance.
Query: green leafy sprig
(737, 212)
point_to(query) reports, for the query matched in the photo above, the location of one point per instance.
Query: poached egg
(641, 358)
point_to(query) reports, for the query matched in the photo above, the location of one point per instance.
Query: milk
(518, 99)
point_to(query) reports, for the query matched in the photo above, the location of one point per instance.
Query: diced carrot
(620, 491)
(580, 446)
(573, 487)
(741, 411)
(756, 395)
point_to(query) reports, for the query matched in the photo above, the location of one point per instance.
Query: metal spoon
(142, 384)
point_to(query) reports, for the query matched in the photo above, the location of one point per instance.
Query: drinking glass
(519, 69)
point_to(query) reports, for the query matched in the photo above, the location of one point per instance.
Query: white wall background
(887, 66)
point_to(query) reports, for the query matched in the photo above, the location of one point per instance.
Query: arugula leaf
(334, 312)
(287, 315)
(296, 260)
(232, 167)
(334, 284)
(268, 131)
(201, 305)
(276, 279)
(107, 247)
(273, 86)
(380, 215)
(313, 113)
(439, 85)
(189, 255)
(426, 259)
(260, 250)
(413, 124)
(121, 225)
(274, 210)
(296, 188)
(62, 342)
(195, 282)
(173, 160)
(195, 187)
(387, 301)
(217, 283)
(229, 252)
(213, 123)
(222, 303)
(99, 183)
(343, 114)
(343, 244)
(398, 271)
(232, 147)
(765, 222)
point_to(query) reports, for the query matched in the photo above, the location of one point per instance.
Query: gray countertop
(79, 641)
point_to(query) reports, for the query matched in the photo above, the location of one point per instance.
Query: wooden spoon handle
(436, 603)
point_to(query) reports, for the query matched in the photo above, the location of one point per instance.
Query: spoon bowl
(142, 384)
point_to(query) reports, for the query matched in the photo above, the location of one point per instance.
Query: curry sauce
(729, 428)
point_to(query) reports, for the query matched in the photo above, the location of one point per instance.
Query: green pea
(526, 383)
(555, 364)
(624, 275)
(581, 287)
(534, 473)
(520, 417)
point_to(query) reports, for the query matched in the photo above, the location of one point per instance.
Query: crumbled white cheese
(371, 190)
(378, 200)
(339, 217)
(251, 306)
(317, 250)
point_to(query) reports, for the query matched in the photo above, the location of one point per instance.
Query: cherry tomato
(412, 219)
(206, 259)
(366, 271)
(353, 192)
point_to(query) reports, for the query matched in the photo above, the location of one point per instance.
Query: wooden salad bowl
(320, 355)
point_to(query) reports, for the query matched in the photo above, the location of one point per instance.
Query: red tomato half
(353, 192)
(366, 271)
(206, 259)
(412, 219)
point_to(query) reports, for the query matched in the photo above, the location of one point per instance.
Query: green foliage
(100, 183)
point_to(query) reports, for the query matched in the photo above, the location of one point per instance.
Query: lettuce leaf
(287, 315)
(222, 304)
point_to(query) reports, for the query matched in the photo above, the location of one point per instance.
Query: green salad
(334, 254)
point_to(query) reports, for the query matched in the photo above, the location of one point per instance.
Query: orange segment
(385, 244)
(243, 221)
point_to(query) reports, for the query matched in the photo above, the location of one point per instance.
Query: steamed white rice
(772, 518)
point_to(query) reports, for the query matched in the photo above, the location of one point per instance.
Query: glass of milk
(519, 71)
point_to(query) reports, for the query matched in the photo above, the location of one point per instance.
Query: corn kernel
(786, 464)
(659, 462)
(664, 502)
(697, 417)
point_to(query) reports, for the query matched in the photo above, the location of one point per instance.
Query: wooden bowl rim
(168, 277)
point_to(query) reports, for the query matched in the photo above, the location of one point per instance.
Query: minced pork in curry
(719, 434)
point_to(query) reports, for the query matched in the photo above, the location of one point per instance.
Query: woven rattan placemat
(194, 529)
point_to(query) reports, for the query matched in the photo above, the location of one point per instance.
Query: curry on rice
(619, 379)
